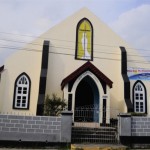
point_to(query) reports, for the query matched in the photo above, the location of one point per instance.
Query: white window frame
(22, 89)
(139, 98)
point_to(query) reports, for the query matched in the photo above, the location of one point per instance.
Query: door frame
(99, 86)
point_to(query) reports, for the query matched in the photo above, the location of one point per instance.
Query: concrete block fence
(134, 130)
(140, 126)
(36, 128)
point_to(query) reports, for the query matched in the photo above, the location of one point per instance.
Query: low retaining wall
(36, 128)
(140, 126)
(134, 130)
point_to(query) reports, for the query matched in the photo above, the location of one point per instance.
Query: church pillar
(43, 76)
(126, 79)
(108, 110)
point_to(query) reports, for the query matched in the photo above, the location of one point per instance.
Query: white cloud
(134, 26)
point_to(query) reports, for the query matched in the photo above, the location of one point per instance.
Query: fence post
(125, 128)
(66, 126)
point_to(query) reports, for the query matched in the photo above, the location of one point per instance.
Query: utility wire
(62, 48)
(10, 40)
(137, 61)
(34, 50)
(69, 41)
(51, 46)
(95, 50)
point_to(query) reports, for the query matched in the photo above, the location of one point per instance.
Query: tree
(54, 106)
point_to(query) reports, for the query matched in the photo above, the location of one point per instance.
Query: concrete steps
(94, 135)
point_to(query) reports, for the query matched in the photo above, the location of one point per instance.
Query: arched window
(139, 97)
(84, 40)
(22, 92)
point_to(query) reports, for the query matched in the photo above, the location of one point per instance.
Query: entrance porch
(87, 90)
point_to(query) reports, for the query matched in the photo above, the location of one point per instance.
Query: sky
(128, 18)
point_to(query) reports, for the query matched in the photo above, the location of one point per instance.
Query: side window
(139, 94)
(84, 40)
(22, 92)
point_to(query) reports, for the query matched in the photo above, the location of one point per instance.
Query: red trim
(1, 68)
(87, 66)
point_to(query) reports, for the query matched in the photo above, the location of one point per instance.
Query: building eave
(87, 66)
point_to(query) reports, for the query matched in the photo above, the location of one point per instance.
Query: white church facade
(81, 60)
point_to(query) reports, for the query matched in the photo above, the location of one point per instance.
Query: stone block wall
(134, 131)
(140, 126)
(35, 128)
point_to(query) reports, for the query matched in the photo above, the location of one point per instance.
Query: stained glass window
(84, 45)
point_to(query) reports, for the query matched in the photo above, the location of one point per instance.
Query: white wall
(22, 61)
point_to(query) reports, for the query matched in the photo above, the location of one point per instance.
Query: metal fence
(92, 125)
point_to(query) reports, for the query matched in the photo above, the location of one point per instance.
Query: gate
(87, 129)
(86, 114)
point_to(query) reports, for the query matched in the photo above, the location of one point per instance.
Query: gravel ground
(29, 149)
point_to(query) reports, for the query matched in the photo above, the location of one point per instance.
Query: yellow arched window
(84, 42)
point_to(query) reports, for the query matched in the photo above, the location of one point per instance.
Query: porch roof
(85, 67)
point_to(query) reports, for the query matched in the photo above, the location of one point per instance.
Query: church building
(82, 61)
